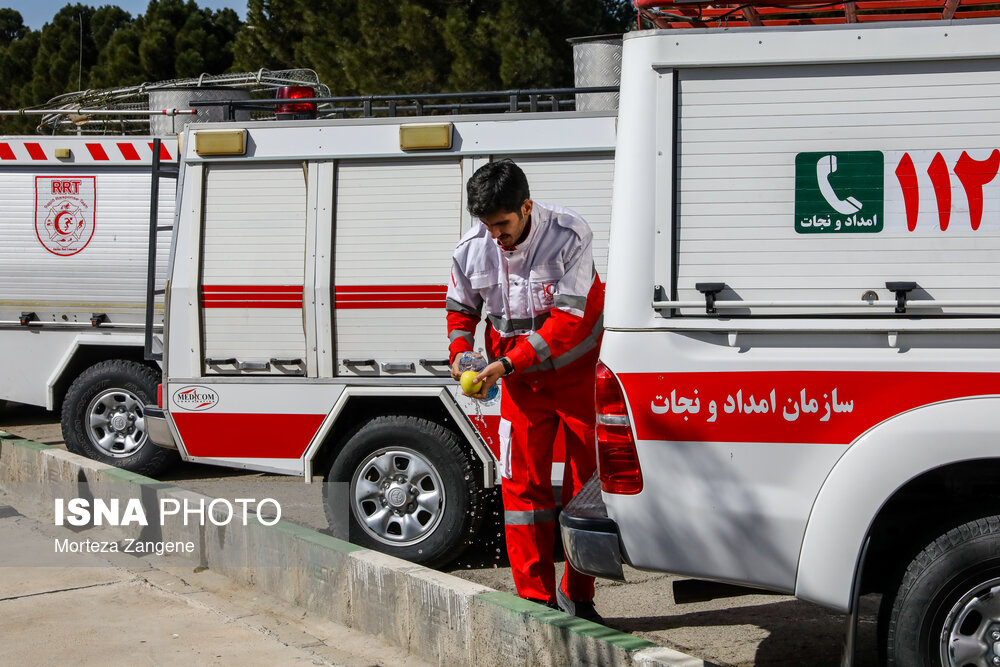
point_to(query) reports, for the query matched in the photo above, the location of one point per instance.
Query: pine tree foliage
(356, 46)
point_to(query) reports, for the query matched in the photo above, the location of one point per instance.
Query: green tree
(272, 33)
(204, 43)
(116, 65)
(18, 46)
(371, 47)
(66, 52)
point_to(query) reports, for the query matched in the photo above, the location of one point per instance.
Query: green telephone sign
(839, 193)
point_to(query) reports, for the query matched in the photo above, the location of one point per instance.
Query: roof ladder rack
(706, 13)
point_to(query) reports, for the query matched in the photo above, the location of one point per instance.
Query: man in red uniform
(531, 266)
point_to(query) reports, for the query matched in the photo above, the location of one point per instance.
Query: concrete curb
(436, 616)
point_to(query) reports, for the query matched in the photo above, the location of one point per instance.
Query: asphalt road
(733, 631)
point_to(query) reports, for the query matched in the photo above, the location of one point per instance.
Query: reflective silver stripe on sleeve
(451, 304)
(458, 333)
(540, 346)
(569, 301)
(504, 325)
(529, 517)
(565, 359)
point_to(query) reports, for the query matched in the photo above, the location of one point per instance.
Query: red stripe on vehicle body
(489, 428)
(233, 435)
(128, 151)
(356, 297)
(390, 289)
(253, 304)
(97, 152)
(381, 305)
(35, 151)
(290, 289)
(164, 153)
(251, 296)
(6, 153)
(823, 407)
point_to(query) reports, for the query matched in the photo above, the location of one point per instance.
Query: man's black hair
(497, 187)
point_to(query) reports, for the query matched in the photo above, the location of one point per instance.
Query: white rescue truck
(799, 386)
(75, 217)
(79, 208)
(305, 324)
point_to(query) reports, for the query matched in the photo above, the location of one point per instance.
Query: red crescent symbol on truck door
(62, 228)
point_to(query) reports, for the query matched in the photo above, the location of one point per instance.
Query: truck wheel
(412, 492)
(947, 609)
(102, 417)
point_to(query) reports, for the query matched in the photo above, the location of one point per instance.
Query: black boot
(550, 605)
(584, 610)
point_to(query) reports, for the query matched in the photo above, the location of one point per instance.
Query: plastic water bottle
(473, 361)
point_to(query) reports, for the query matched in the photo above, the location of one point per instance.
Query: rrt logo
(66, 187)
(898, 192)
(65, 213)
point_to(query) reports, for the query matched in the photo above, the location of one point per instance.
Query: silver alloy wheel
(397, 496)
(971, 632)
(115, 423)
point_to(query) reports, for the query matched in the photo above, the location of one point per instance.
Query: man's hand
(488, 377)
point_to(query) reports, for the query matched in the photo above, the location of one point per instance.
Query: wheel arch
(901, 458)
(357, 405)
(86, 350)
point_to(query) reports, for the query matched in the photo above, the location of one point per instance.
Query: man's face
(507, 228)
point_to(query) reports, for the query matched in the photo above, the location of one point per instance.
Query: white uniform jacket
(543, 299)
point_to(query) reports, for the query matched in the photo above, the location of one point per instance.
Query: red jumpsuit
(544, 303)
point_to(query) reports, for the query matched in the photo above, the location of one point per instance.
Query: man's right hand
(456, 374)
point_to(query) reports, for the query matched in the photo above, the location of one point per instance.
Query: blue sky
(37, 13)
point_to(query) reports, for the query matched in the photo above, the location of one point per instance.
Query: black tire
(409, 490)
(948, 601)
(102, 417)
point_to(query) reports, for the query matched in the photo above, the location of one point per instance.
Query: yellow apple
(469, 384)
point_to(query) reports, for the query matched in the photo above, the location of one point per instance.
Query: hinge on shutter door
(158, 171)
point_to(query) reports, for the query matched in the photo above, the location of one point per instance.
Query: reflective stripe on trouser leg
(538, 417)
(529, 506)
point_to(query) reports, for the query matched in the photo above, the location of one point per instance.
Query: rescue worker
(531, 265)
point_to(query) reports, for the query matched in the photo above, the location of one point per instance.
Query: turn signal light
(295, 110)
(617, 460)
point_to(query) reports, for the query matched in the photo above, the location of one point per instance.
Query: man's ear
(526, 207)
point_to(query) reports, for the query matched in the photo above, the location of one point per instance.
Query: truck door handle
(287, 362)
(253, 365)
(398, 366)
